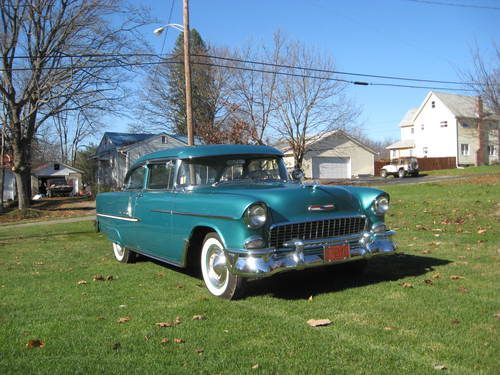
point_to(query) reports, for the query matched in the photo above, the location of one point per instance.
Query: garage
(327, 167)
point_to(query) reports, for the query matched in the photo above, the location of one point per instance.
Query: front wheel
(122, 254)
(401, 173)
(219, 281)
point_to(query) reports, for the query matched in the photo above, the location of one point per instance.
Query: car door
(153, 208)
(132, 190)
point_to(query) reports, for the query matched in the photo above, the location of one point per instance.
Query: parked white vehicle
(401, 167)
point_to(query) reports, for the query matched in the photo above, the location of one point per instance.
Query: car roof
(191, 152)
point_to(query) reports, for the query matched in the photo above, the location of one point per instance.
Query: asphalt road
(421, 179)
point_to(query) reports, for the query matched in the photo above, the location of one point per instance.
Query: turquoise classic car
(234, 211)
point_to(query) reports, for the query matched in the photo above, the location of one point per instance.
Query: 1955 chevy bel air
(234, 211)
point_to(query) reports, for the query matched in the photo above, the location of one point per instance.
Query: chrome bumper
(299, 254)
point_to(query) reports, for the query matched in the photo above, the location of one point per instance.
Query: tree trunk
(2, 174)
(22, 172)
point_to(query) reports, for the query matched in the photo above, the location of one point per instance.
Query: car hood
(289, 202)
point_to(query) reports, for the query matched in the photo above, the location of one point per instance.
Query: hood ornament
(321, 207)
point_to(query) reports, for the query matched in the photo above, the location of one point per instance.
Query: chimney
(481, 154)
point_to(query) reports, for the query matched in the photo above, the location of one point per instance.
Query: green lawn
(485, 169)
(434, 304)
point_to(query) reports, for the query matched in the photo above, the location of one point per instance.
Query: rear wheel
(219, 281)
(401, 173)
(122, 254)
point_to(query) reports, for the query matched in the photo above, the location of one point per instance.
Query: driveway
(367, 181)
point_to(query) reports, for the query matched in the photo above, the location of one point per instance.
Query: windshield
(218, 170)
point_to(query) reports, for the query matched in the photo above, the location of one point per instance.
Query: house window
(444, 124)
(163, 139)
(464, 149)
(465, 125)
(412, 130)
(425, 149)
(433, 104)
(422, 127)
(57, 167)
(492, 150)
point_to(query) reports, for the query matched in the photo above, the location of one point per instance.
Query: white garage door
(331, 167)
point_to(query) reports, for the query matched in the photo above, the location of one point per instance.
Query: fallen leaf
(179, 286)
(426, 251)
(455, 321)
(255, 367)
(123, 319)
(100, 318)
(198, 317)
(98, 278)
(116, 346)
(165, 324)
(439, 367)
(177, 320)
(122, 306)
(456, 277)
(81, 282)
(389, 328)
(497, 315)
(179, 341)
(35, 343)
(310, 299)
(436, 275)
(319, 322)
(164, 340)
(428, 281)
(407, 285)
(199, 351)
(481, 231)
(109, 278)
(463, 290)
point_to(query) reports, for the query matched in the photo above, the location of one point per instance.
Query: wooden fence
(425, 164)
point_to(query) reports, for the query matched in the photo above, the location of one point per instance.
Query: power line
(290, 74)
(263, 63)
(458, 5)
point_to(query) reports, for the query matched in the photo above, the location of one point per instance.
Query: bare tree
(254, 92)
(309, 106)
(52, 62)
(484, 77)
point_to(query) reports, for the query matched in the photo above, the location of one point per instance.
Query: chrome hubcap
(216, 266)
(118, 250)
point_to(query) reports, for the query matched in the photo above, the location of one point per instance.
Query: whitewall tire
(122, 254)
(219, 281)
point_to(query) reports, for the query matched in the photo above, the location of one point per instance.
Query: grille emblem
(321, 207)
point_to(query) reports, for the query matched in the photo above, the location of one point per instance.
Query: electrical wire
(458, 5)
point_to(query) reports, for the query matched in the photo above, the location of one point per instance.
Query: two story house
(450, 125)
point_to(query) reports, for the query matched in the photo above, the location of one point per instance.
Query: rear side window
(161, 176)
(135, 179)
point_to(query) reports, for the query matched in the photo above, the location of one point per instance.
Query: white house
(118, 151)
(334, 155)
(43, 175)
(450, 125)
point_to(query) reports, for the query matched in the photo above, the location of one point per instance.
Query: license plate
(337, 252)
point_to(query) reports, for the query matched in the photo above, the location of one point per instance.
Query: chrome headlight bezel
(256, 215)
(381, 205)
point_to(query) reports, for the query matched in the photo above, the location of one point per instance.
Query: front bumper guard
(300, 254)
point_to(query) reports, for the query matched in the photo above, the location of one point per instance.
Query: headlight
(381, 205)
(256, 215)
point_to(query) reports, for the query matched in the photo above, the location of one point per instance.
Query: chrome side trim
(171, 212)
(133, 219)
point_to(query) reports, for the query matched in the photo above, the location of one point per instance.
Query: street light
(187, 68)
(176, 26)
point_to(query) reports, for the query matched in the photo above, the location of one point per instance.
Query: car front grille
(312, 230)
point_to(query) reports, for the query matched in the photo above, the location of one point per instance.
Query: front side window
(135, 179)
(214, 171)
(161, 176)
(464, 149)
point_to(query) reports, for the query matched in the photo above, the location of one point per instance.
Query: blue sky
(385, 37)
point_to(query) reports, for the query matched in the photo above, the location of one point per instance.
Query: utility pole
(187, 76)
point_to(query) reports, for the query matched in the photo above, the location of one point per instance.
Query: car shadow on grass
(302, 284)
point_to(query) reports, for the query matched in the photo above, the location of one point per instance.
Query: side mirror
(297, 174)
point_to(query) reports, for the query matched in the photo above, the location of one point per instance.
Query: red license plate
(337, 252)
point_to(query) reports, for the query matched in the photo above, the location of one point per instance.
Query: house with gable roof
(450, 125)
(118, 151)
